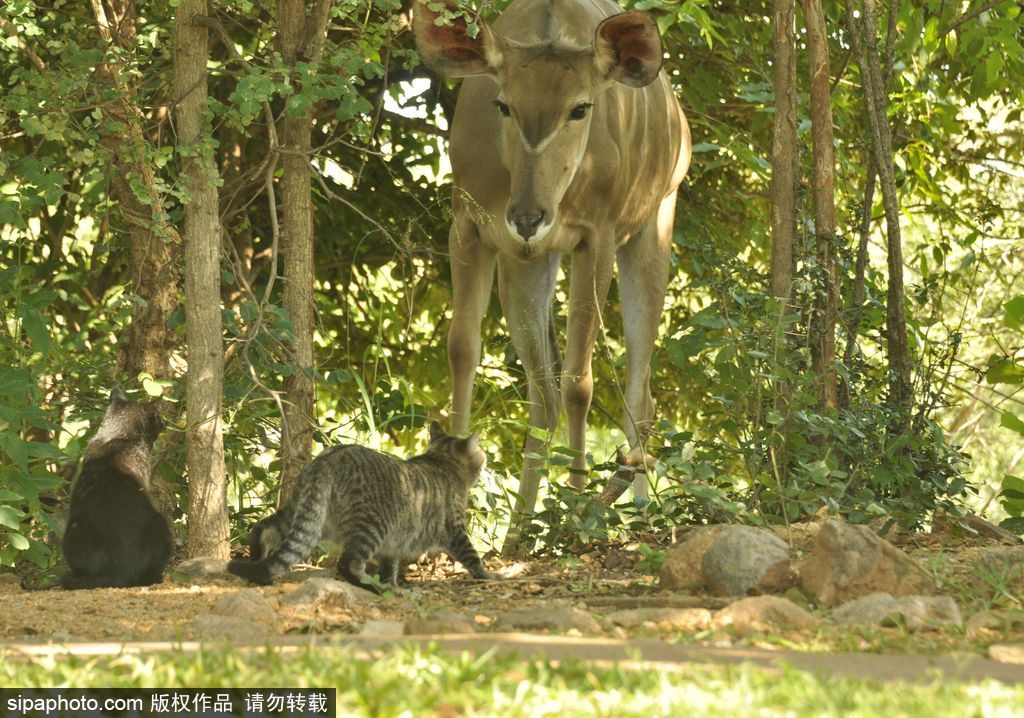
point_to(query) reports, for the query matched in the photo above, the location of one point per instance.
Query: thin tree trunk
(208, 530)
(823, 318)
(784, 153)
(783, 193)
(868, 199)
(900, 389)
(301, 39)
(153, 243)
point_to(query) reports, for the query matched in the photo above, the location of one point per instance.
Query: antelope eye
(579, 111)
(502, 108)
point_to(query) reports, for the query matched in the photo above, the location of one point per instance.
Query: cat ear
(472, 442)
(436, 432)
(117, 396)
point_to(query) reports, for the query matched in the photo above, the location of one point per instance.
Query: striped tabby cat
(373, 505)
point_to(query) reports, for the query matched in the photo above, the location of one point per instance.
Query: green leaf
(1012, 421)
(18, 541)
(1014, 525)
(1005, 371)
(10, 517)
(154, 387)
(1013, 316)
(35, 326)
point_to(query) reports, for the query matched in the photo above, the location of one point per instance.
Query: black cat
(115, 537)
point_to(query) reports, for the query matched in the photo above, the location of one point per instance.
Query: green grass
(425, 682)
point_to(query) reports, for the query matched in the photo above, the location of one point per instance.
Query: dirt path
(168, 617)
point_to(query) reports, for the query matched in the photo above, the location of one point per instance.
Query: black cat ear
(436, 432)
(117, 396)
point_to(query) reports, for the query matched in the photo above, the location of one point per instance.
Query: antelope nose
(528, 222)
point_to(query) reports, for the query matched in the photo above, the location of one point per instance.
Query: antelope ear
(436, 432)
(627, 48)
(444, 43)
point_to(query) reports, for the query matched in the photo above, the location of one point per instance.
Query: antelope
(566, 138)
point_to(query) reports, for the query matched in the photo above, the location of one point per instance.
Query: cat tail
(303, 534)
(72, 582)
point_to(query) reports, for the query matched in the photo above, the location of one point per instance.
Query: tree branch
(968, 16)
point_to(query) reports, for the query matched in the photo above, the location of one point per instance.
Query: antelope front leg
(526, 291)
(643, 277)
(591, 275)
(472, 276)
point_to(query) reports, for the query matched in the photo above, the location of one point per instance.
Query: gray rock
(1007, 652)
(317, 590)
(759, 613)
(738, 559)
(249, 604)
(439, 623)
(679, 619)
(547, 619)
(683, 566)
(850, 561)
(203, 567)
(227, 628)
(917, 613)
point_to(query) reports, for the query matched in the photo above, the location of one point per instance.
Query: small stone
(759, 613)
(228, 628)
(917, 613)
(547, 619)
(383, 629)
(738, 559)
(849, 561)
(678, 619)
(1007, 653)
(203, 567)
(10, 579)
(249, 604)
(682, 569)
(317, 590)
(995, 621)
(439, 623)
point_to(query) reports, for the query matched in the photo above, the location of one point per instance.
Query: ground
(595, 583)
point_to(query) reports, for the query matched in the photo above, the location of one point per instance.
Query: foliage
(382, 294)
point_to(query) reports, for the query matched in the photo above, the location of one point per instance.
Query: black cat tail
(71, 582)
(303, 534)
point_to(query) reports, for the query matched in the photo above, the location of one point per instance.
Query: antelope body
(566, 138)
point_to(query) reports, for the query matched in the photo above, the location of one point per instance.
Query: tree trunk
(823, 316)
(900, 390)
(858, 291)
(153, 243)
(301, 39)
(784, 153)
(208, 531)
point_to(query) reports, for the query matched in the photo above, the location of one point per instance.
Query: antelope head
(548, 95)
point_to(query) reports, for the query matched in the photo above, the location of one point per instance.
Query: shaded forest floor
(577, 596)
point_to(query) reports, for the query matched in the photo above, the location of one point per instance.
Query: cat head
(137, 421)
(466, 452)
